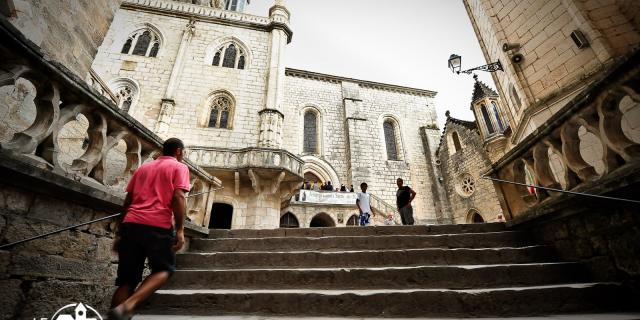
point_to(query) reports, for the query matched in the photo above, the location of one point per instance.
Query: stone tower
(491, 123)
(550, 50)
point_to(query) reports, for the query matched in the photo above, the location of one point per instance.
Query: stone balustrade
(96, 83)
(236, 159)
(584, 147)
(76, 132)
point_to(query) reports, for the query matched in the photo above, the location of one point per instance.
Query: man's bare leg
(122, 294)
(152, 283)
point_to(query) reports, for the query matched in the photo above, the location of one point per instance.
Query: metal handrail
(2, 247)
(562, 191)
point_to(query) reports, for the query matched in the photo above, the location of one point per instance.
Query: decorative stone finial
(447, 114)
(475, 77)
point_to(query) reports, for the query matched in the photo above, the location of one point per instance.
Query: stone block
(14, 200)
(33, 265)
(11, 298)
(60, 212)
(45, 297)
(5, 257)
(71, 244)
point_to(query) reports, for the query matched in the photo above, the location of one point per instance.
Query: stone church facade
(215, 77)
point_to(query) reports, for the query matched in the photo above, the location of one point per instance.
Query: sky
(401, 42)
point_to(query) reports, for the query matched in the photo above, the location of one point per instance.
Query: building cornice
(363, 83)
(209, 14)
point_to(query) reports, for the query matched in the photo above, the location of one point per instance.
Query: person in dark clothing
(351, 190)
(404, 196)
(343, 188)
(328, 186)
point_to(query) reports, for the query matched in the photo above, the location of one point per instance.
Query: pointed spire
(481, 90)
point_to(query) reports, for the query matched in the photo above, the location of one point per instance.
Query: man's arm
(413, 195)
(358, 205)
(179, 206)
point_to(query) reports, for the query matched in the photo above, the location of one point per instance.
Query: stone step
(510, 301)
(579, 316)
(358, 231)
(365, 258)
(420, 277)
(380, 242)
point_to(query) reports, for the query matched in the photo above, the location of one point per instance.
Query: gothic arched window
(456, 141)
(126, 91)
(310, 139)
(497, 115)
(515, 98)
(221, 112)
(288, 220)
(143, 42)
(487, 119)
(391, 140)
(231, 56)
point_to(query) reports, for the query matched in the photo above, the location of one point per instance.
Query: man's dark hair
(171, 145)
(364, 184)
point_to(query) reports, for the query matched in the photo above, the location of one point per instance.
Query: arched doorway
(221, 216)
(474, 217)
(353, 221)
(288, 220)
(322, 220)
(311, 178)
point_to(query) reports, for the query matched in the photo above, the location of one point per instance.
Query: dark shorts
(139, 242)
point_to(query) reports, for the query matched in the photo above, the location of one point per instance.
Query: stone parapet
(236, 159)
(206, 13)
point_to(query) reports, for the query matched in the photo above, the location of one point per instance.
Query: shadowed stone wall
(68, 31)
(461, 170)
(41, 276)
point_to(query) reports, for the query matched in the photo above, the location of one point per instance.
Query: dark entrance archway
(322, 220)
(477, 218)
(353, 221)
(221, 216)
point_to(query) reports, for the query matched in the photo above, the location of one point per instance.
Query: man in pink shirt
(155, 199)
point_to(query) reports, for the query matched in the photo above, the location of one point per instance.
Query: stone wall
(41, 276)
(605, 235)
(68, 31)
(554, 69)
(467, 163)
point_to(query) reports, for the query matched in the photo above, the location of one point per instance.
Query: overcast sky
(402, 42)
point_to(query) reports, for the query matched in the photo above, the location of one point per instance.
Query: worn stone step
(358, 231)
(381, 242)
(365, 258)
(580, 316)
(419, 277)
(511, 301)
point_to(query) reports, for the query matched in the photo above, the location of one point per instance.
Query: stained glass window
(456, 141)
(230, 57)
(216, 58)
(487, 119)
(390, 140)
(241, 63)
(497, 114)
(310, 132)
(221, 111)
(142, 43)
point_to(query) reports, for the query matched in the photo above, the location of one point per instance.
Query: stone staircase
(396, 271)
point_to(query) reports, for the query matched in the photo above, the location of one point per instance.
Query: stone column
(358, 134)
(271, 117)
(168, 104)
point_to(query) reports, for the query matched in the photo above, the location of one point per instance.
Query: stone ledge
(16, 172)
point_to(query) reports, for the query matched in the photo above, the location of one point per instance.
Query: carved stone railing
(98, 84)
(383, 209)
(60, 98)
(581, 148)
(236, 159)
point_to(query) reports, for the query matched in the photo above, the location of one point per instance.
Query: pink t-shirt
(151, 189)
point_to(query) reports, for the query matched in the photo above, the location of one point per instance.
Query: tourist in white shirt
(363, 202)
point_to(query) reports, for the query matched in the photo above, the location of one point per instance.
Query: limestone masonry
(216, 79)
